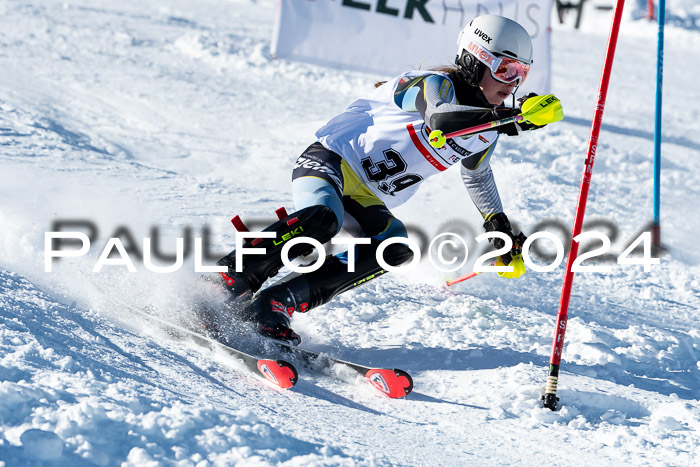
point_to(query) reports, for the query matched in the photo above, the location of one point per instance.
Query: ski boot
(318, 222)
(273, 308)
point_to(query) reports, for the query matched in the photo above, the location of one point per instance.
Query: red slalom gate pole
(550, 399)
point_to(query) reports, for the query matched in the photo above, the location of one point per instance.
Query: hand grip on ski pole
(518, 270)
(516, 263)
(538, 110)
(542, 110)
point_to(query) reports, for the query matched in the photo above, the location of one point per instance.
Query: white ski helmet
(491, 40)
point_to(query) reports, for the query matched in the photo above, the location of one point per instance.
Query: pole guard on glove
(538, 110)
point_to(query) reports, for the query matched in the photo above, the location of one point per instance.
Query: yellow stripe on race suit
(356, 189)
(445, 89)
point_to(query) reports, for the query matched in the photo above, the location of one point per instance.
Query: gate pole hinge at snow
(549, 398)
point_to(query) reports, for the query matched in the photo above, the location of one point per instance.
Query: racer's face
(495, 91)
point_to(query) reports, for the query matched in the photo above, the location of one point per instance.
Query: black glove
(514, 129)
(499, 113)
(500, 223)
(522, 100)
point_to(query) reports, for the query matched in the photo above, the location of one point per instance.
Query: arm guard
(432, 97)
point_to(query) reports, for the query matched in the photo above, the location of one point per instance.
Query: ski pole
(550, 399)
(518, 269)
(462, 278)
(538, 110)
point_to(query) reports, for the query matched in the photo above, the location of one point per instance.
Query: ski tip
(279, 372)
(394, 383)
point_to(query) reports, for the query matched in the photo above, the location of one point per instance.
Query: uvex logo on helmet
(479, 33)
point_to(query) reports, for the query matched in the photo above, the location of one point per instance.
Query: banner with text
(389, 37)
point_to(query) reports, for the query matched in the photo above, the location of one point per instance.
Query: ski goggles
(503, 69)
(509, 70)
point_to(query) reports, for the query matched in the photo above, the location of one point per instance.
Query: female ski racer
(373, 157)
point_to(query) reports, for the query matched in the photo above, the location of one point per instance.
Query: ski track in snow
(142, 116)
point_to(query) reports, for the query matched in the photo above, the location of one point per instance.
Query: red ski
(278, 372)
(394, 383)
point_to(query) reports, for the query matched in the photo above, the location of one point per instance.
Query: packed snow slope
(164, 119)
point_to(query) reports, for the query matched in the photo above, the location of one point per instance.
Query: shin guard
(302, 292)
(318, 222)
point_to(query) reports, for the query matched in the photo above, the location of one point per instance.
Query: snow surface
(171, 115)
